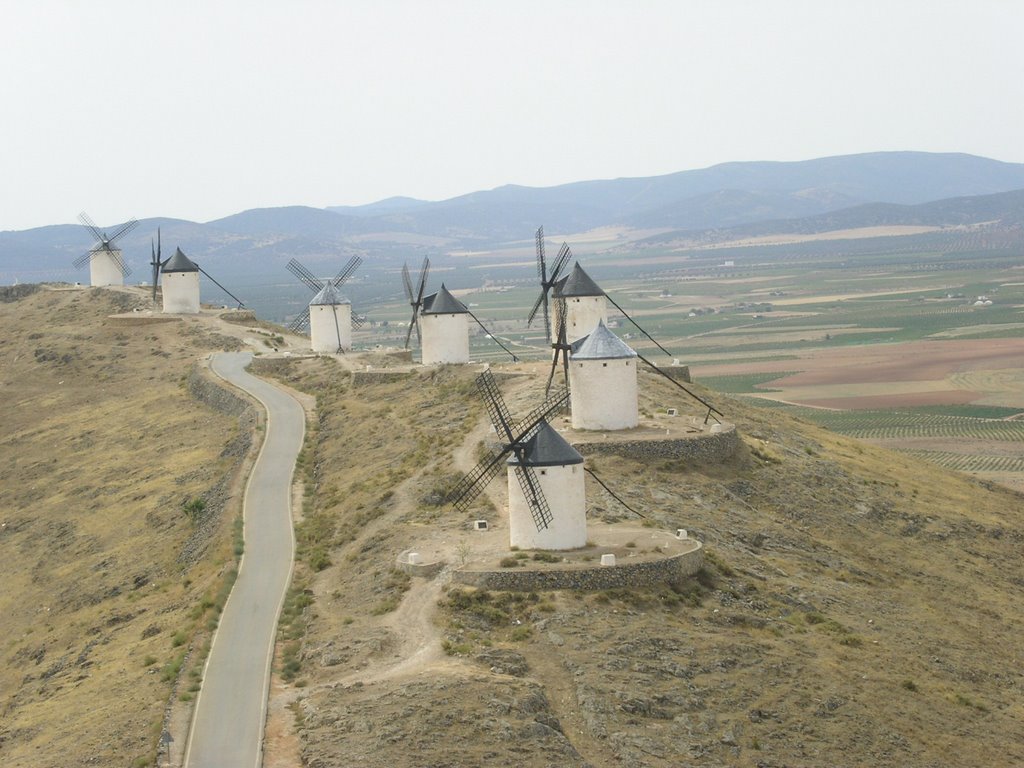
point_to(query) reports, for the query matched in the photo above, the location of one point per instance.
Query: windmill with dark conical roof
(106, 263)
(603, 382)
(443, 329)
(180, 278)
(328, 316)
(442, 323)
(547, 502)
(584, 302)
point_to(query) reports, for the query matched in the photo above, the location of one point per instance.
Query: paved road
(227, 728)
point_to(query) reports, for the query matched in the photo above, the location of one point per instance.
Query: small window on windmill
(672, 412)
(543, 471)
(604, 365)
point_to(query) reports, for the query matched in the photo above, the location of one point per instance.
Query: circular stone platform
(643, 556)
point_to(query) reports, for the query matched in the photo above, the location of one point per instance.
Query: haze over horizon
(198, 112)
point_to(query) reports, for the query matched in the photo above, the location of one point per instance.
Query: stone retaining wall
(216, 396)
(677, 372)
(706, 448)
(645, 574)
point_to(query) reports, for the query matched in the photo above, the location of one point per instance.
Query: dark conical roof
(328, 295)
(442, 303)
(577, 283)
(547, 448)
(179, 262)
(601, 344)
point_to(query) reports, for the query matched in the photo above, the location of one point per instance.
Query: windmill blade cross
(542, 412)
(118, 259)
(542, 273)
(564, 254)
(346, 271)
(81, 260)
(407, 284)
(561, 346)
(497, 410)
(424, 270)
(91, 225)
(155, 261)
(473, 482)
(311, 281)
(477, 479)
(301, 322)
(540, 511)
(415, 297)
(121, 231)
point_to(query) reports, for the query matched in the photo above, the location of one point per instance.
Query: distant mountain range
(729, 200)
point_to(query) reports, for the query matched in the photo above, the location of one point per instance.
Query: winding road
(230, 712)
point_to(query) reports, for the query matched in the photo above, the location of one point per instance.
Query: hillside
(857, 608)
(1001, 211)
(116, 488)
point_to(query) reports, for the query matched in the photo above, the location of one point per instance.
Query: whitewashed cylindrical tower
(179, 278)
(558, 468)
(585, 305)
(105, 267)
(330, 321)
(444, 329)
(602, 382)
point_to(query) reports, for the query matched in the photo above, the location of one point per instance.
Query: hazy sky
(202, 109)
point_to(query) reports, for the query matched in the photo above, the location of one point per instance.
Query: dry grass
(100, 449)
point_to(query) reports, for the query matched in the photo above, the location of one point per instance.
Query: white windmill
(328, 315)
(547, 503)
(585, 304)
(441, 322)
(180, 284)
(603, 382)
(443, 329)
(106, 264)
